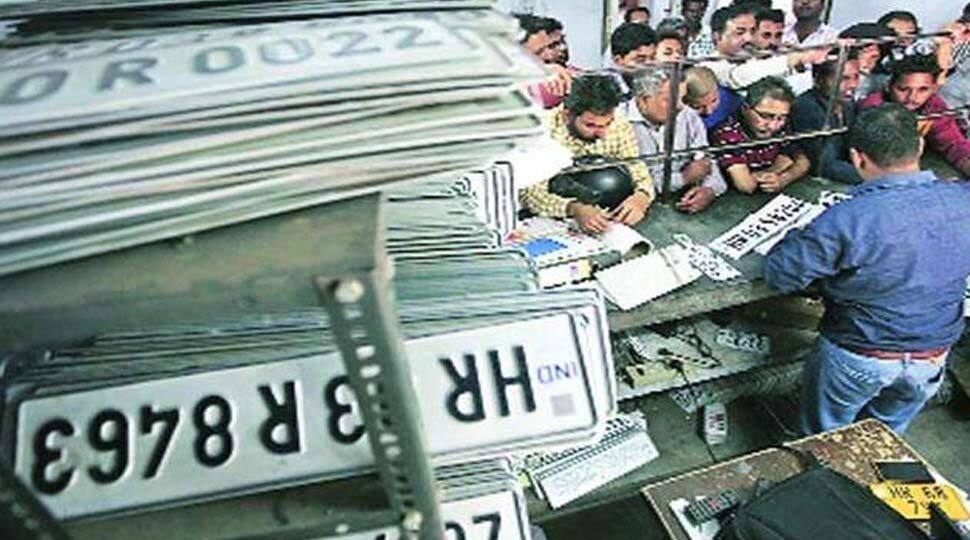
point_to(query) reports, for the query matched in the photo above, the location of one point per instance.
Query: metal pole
(834, 93)
(365, 330)
(670, 129)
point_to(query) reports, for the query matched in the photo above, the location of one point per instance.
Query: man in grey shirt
(696, 177)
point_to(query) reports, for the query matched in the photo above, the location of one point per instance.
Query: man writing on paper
(587, 125)
(696, 178)
(891, 264)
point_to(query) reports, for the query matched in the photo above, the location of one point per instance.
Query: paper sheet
(640, 280)
(621, 238)
(774, 217)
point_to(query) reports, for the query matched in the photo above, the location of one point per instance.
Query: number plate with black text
(489, 390)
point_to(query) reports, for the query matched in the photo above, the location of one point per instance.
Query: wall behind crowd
(583, 18)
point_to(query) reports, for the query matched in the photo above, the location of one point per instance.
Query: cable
(678, 366)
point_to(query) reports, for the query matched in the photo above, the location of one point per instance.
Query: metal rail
(717, 149)
(677, 70)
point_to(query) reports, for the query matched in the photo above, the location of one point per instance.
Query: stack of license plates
(107, 144)
(59, 21)
(179, 414)
(434, 235)
(564, 476)
(201, 411)
(480, 501)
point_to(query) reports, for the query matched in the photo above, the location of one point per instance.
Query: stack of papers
(640, 280)
(107, 144)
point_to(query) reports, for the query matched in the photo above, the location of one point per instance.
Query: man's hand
(800, 61)
(769, 182)
(632, 210)
(591, 219)
(697, 199)
(696, 171)
(561, 81)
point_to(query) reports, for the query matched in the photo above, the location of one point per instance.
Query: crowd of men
(752, 73)
(891, 264)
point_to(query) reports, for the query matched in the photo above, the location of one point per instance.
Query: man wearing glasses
(543, 38)
(768, 167)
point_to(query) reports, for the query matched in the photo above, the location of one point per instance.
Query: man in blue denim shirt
(891, 264)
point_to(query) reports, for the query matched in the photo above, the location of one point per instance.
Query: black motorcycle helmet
(606, 186)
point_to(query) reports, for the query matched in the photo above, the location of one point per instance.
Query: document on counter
(777, 216)
(622, 238)
(640, 280)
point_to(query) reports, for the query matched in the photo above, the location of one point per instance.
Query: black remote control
(713, 506)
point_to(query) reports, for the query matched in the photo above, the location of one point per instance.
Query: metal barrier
(960, 51)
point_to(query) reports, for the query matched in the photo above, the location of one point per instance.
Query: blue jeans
(840, 386)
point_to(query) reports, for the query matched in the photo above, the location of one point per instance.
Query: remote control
(711, 507)
(715, 423)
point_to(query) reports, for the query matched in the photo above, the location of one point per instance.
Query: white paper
(779, 213)
(809, 216)
(537, 161)
(640, 280)
(622, 238)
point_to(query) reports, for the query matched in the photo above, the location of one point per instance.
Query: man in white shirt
(807, 30)
(696, 177)
(734, 28)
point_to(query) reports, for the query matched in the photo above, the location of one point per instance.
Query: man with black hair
(538, 36)
(700, 42)
(891, 264)
(913, 83)
(633, 45)
(733, 28)
(557, 32)
(871, 77)
(829, 155)
(670, 47)
(587, 125)
(637, 14)
(764, 115)
(769, 29)
(902, 23)
(808, 29)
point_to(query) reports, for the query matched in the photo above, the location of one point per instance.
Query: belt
(898, 355)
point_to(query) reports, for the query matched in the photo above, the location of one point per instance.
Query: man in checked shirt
(587, 125)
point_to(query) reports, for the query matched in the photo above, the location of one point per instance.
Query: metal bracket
(365, 329)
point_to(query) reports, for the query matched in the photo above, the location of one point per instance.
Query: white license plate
(499, 516)
(480, 391)
(114, 80)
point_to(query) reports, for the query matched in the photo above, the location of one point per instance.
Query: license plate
(118, 78)
(499, 516)
(481, 392)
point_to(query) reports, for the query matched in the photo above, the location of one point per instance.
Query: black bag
(817, 504)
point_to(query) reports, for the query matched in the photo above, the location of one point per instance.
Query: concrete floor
(941, 434)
